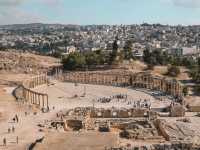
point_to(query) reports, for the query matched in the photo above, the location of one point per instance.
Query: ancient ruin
(131, 108)
(25, 93)
(141, 80)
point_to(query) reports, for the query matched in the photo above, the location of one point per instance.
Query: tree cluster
(156, 57)
(85, 60)
(127, 53)
(195, 72)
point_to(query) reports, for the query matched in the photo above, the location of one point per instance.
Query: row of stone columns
(96, 78)
(37, 80)
(172, 87)
(148, 81)
(32, 97)
(35, 98)
(57, 73)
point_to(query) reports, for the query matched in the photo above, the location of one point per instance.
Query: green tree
(146, 55)
(128, 50)
(188, 62)
(114, 52)
(198, 64)
(185, 91)
(156, 57)
(74, 61)
(92, 59)
(195, 72)
(102, 57)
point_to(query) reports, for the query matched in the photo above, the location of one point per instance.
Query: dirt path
(26, 129)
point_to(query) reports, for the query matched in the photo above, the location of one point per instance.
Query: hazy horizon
(110, 12)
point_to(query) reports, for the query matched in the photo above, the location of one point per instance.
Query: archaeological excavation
(97, 110)
(142, 111)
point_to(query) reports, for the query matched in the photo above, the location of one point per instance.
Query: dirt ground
(162, 70)
(11, 79)
(61, 95)
(78, 141)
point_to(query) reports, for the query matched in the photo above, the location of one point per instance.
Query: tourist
(4, 141)
(14, 119)
(8, 130)
(56, 126)
(17, 119)
(48, 108)
(13, 129)
(17, 139)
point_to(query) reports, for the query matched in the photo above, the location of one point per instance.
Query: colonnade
(36, 81)
(56, 72)
(141, 80)
(97, 78)
(35, 98)
(146, 80)
(32, 97)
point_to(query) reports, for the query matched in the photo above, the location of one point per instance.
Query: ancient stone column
(33, 98)
(31, 94)
(42, 101)
(47, 100)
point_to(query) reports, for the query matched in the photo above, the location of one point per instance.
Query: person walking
(17, 119)
(17, 139)
(8, 130)
(4, 141)
(13, 129)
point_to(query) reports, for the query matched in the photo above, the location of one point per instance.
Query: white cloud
(17, 16)
(11, 13)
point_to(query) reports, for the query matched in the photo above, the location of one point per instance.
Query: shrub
(173, 71)
(74, 61)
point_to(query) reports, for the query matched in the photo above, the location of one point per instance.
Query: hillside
(15, 67)
(13, 62)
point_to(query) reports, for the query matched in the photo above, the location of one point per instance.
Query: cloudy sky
(100, 11)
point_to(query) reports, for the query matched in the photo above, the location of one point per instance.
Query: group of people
(15, 119)
(123, 98)
(5, 141)
(108, 99)
(137, 104)
(142, 104)
(11, 129)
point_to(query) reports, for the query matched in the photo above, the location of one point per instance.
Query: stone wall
(193, 108)
(175, 131)
(177, 110)
(120, 113)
